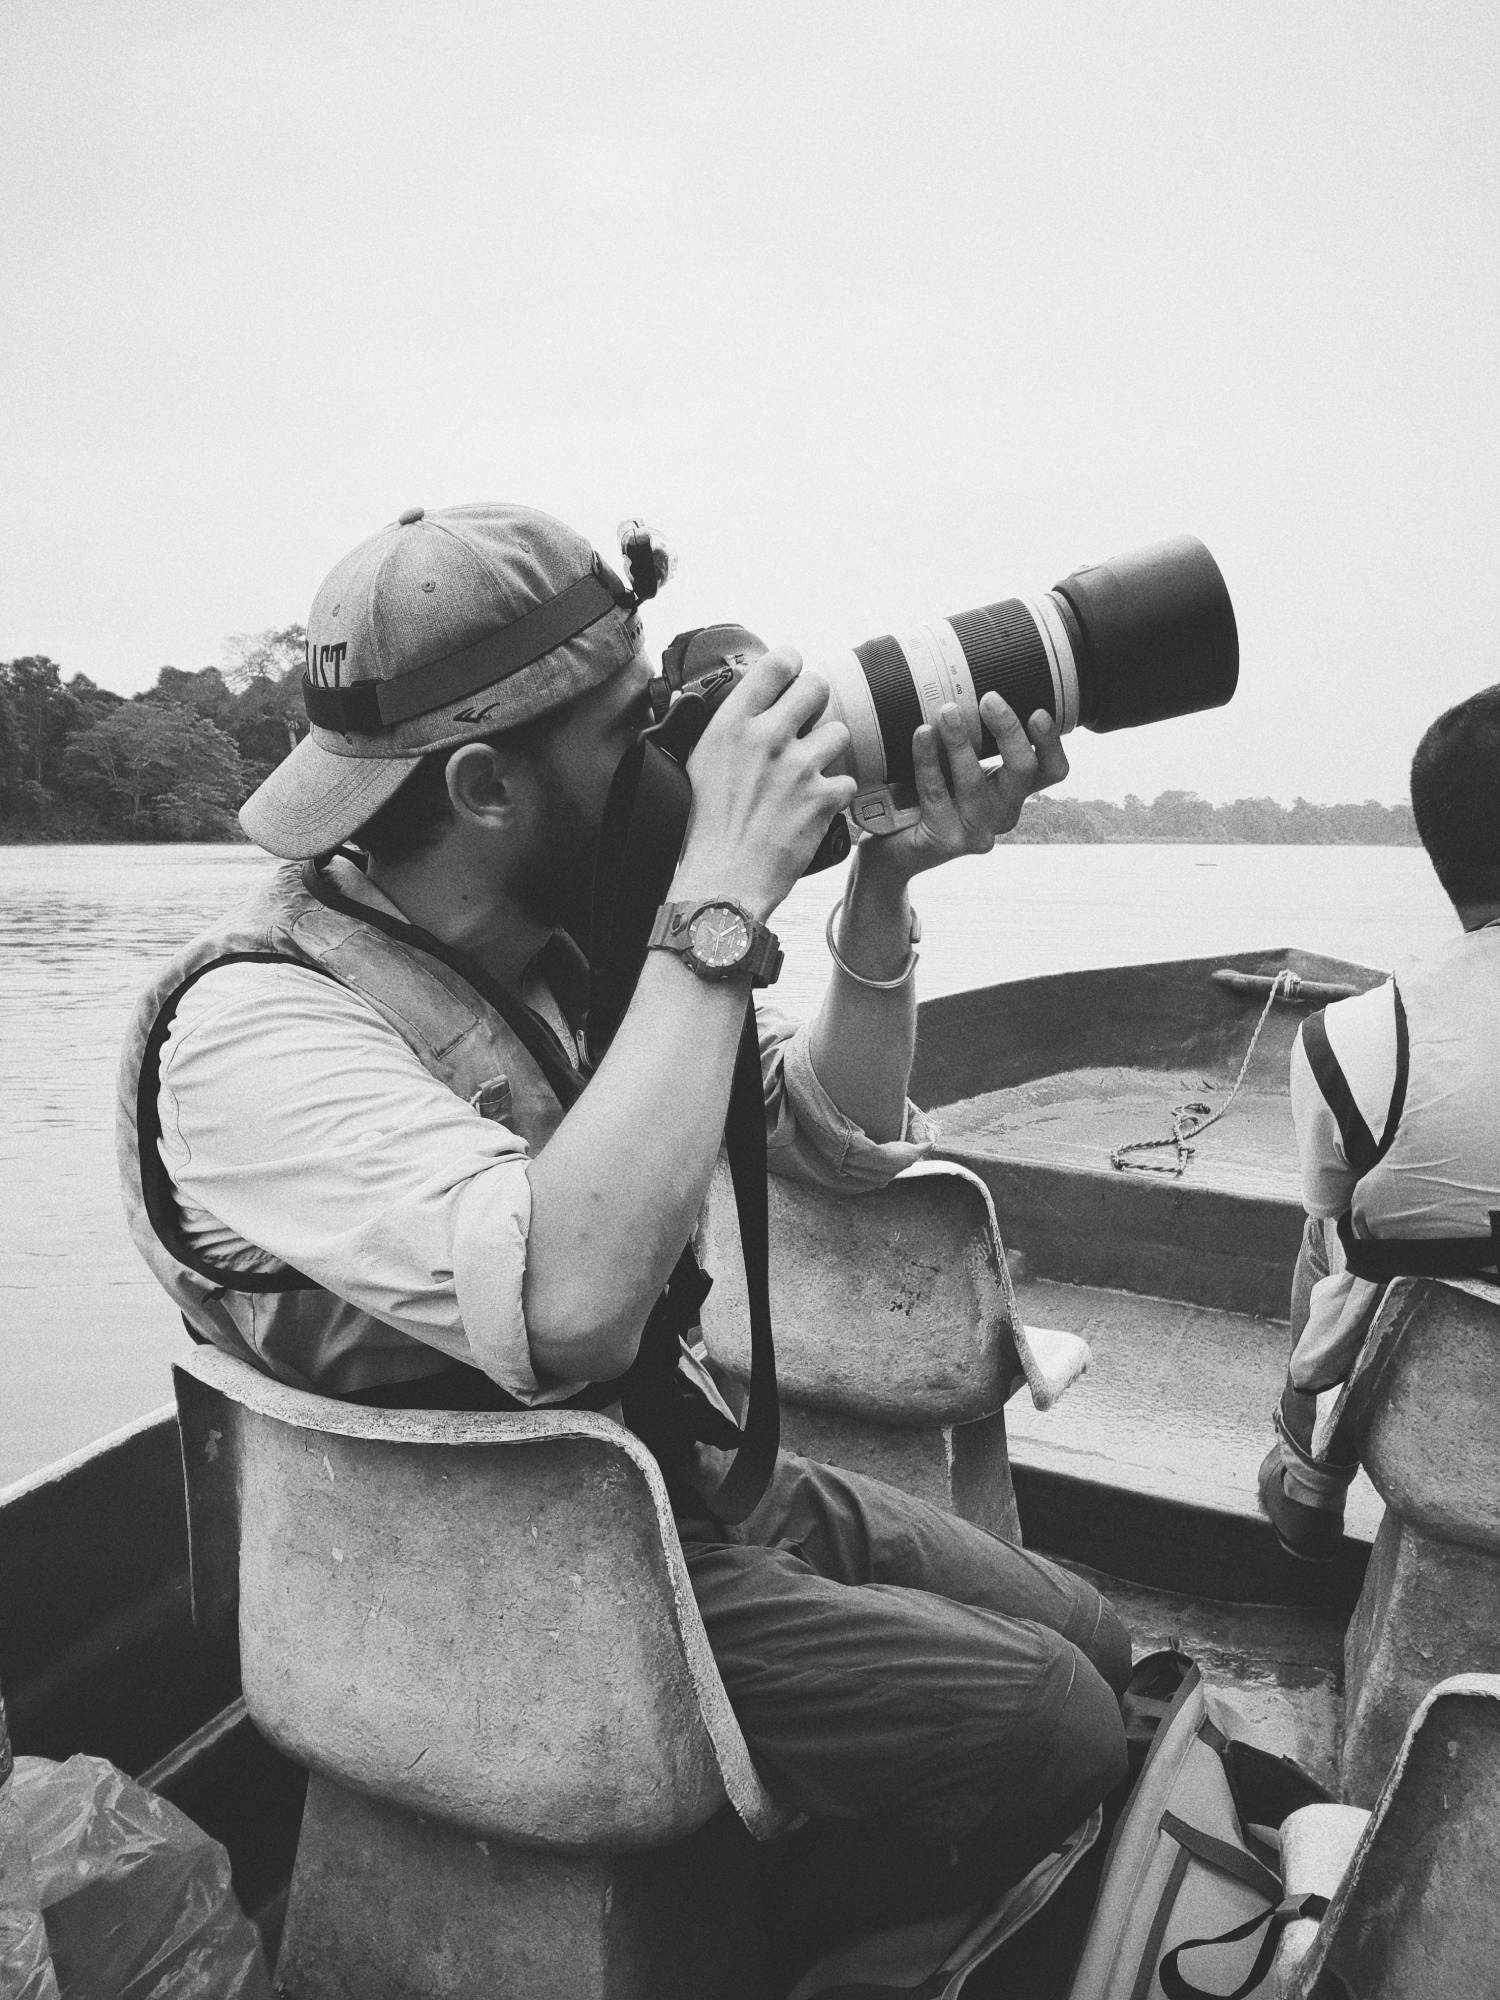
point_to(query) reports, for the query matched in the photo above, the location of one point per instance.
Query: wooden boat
(1144, 1473)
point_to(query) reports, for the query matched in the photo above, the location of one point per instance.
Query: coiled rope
(1190, 1120)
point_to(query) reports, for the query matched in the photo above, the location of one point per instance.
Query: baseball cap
(442, 627)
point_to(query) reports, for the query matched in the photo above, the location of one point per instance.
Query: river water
(85, 1335)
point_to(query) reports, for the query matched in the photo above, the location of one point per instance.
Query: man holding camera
(359, 1151)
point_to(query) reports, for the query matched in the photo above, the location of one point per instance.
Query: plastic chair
(1415, 1915)
(478, 1635)
(1423, 1399)
(898, 1338)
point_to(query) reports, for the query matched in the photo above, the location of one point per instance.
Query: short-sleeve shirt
(1442, 1175)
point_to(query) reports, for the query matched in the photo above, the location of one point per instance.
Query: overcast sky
(876, 311)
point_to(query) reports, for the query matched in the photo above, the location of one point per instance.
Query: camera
(1142, 637)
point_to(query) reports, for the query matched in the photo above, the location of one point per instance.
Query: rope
(1190, 1120)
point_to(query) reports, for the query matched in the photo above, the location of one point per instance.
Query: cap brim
(313, 800)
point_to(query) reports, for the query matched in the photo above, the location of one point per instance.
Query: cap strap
(365, 707)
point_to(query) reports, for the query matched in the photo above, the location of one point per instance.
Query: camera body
(1142, 637)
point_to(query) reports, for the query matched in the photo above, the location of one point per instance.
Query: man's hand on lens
(966, 808)
(762, 793)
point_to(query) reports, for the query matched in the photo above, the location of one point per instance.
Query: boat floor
(1176, 1403)
(1274, 1673)
(1077, 1118)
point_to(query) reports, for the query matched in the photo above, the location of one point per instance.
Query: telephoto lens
(1137, 639)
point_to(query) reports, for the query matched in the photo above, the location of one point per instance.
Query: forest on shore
(78, 762)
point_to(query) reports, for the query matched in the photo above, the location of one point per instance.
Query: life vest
(1447, 1018)
(485, 1048)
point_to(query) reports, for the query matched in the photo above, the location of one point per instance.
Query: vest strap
(1379, 1259)
(156, 1183)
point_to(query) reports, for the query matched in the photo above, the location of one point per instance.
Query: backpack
(1191, 1904)
(1189, 1890)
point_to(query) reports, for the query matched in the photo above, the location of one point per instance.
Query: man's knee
(1077, 1759)
(1072, 1750)
(1083, 1756)
(1109, 1652)
(1094, 1732)
(1096, 1629)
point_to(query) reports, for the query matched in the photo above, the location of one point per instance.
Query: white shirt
(1443, 1175)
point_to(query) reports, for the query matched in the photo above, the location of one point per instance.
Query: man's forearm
(616, 1190)
(863, 1038)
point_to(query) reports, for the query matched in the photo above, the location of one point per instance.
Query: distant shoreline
(1016, 839)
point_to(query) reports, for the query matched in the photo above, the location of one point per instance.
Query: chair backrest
(893, 1305)
(1424, 1398)
(486, 1619)
(1416, 1913)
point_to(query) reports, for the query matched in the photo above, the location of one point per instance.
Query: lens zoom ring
(1006, 657)
(895, 697)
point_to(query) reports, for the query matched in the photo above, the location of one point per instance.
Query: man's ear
(486, 785)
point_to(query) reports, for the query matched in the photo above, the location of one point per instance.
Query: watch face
(719, 936)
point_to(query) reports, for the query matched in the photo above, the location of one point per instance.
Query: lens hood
(1153, 633)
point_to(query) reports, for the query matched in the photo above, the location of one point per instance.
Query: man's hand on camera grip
(966, 808)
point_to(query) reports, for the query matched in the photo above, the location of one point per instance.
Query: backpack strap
(1379, 1259)
(1278, 1913)
(1175, 1984)
(1223, 1855)
(1403, 1072)
(1361, 1148)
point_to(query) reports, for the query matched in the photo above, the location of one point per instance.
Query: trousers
(894, 1665)
(1299, 1407)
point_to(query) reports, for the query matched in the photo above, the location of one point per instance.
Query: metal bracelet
(876, 985)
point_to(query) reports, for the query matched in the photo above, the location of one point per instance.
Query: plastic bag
(136, 1897)
(25, 1961)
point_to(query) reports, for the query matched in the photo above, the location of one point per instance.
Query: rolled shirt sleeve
(808, 1137)
(1327, 1178)
(1361, 1034)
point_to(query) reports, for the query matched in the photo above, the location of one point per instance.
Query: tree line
(78, 762)
(1183, 816)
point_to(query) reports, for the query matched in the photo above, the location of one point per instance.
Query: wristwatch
(718, 939)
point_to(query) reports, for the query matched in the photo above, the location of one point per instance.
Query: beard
(552, 878)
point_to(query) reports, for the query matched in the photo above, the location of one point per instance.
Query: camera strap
(645, 819)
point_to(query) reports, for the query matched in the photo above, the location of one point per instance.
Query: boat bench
(477, 1632)
(1424, 1402)
(1412, 1910)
